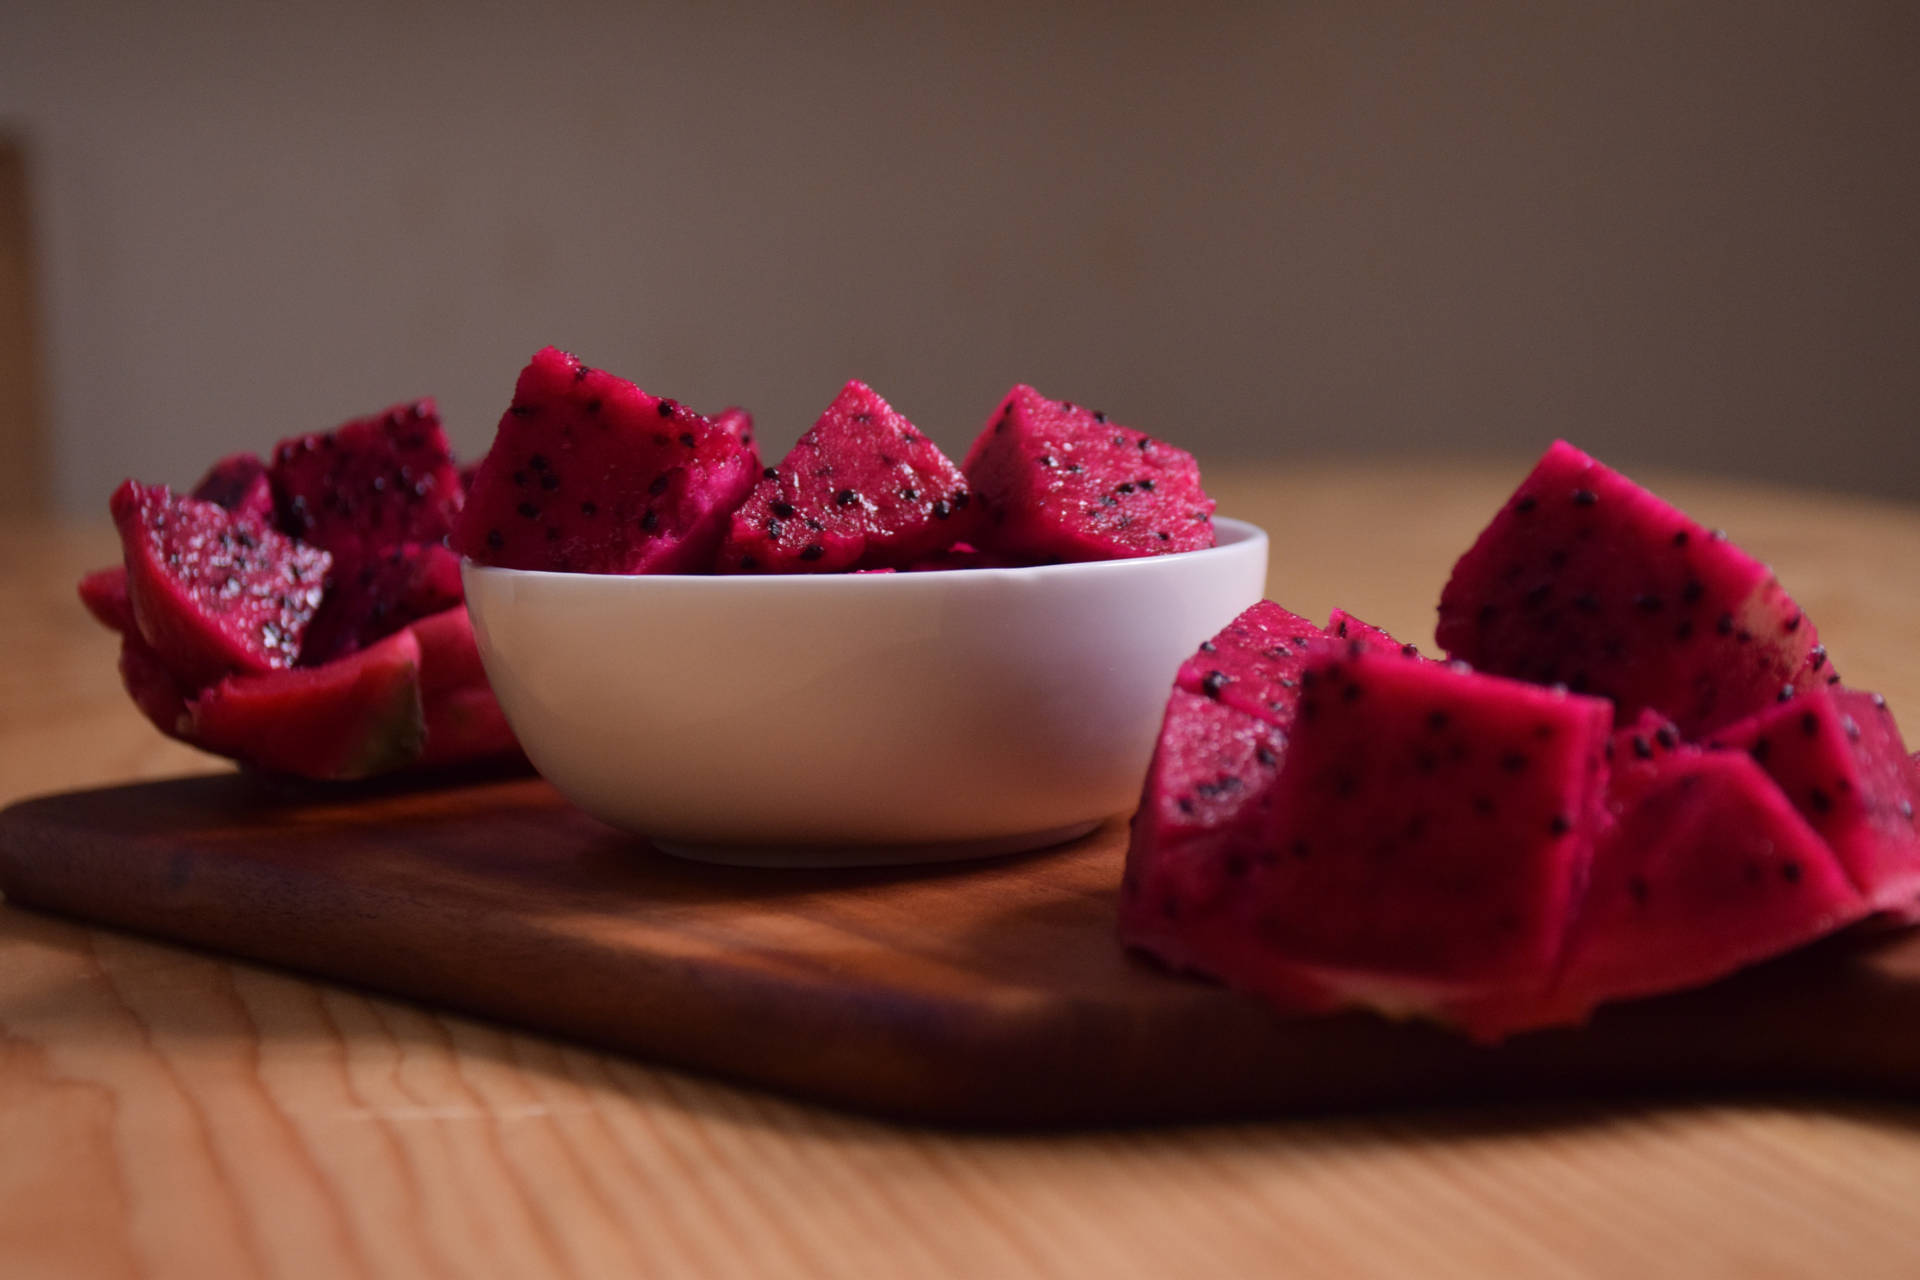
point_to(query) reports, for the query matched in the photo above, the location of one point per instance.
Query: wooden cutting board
(985, 993)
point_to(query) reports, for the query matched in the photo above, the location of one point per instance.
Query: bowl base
(872, 855)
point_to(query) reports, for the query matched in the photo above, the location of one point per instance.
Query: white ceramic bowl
(854, 718)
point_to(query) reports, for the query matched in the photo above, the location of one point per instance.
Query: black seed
(773, 530)
(537, 462)
(1236, 865)
(1409, 651)
(521, 478)
(549, 481)
(650, 521)
(1785, 694)
(686, 438)
(1526, 503)
(1585, 497)
(1817, 657)
(909, 494)
(1045, 459)
(1692, 592)
(1724, 625)
(659, 485)
(1342, 632)
(1208, 646)
(1351, 693)
(1487, 613)
(1075, 468)
(1637, 888)
(1513, 762)
(769, 474)
(1821, 801)
(528, 510)
(1164, 536)
(1265, 757)
(664, 408)
(961, 499)
(495, 539)
(1793, 623)
(1213, 682)
(846, 497)
(1684, 630)
(553, 533)
(1809, 723)
(1147, 485)
(1186, 805)
(941, 510)
(1559, 826)
(1641, 747)
(748, 562)
(1760, 750)
(1649, 604)
(589, 508)
(1483, 805)
(1125, 488)
(1587, 602)
(1098, 416)
(1681, 538)
(1537, 595)
(1300, 849)
(812, 551)
(521, 410)
(783, 510)
(1790, 872)
(593, 405)
(1438, 720)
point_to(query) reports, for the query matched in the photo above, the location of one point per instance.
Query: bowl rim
(1230, 535)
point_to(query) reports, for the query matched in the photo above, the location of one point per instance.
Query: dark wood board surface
(985, 993)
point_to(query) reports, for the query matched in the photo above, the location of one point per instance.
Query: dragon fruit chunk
(862, 489)
(352, 718)
(1253, 664)
(1837, 755)
(1707, 869)
(239, 483)
(1201, 812)
(1586, 579)
(590, 474)
(1060, 481)
(372, 594)
(1428, 833)
(369, 483)
(213, 592)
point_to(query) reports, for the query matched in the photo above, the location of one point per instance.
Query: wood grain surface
(166, 1113)
(989, 993)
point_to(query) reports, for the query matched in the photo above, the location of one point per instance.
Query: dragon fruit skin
(1059, 481)
(355, 717)
(1586, 579)
(590, 474)
(370, 483)
(862, 489)
(238, 482)
(1837, 755)
(213, 592)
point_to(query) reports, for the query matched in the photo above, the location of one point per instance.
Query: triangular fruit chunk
(1707, 869)
(863, 489)
(369, 483)
(590, 474)
(1253, 664)
(213, 592)
(1060, 481)
(352, 718)
(1588, 580)
(1837, 755)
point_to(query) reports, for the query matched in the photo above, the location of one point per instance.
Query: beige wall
(1680, 233)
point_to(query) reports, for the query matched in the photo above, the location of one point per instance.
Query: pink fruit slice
(1060, 481)
(213, 592)
(370, 483)
(590, 474)
(863, 489)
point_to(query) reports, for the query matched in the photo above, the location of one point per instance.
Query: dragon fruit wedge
(239, 483)
(369, 484)
(590, 474)
(213, 592)
(1704, 869)
(1060, 481)
(1586, 579)
(358, 716)
(1253, 664)
(1837, 755)
(863, 489)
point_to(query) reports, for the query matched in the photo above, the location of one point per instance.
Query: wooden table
(173, 1114)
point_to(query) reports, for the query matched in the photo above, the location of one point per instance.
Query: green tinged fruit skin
(355, 717)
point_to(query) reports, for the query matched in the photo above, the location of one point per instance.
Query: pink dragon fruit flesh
(372, 594)
(239, 483)
(370, 483)
(1060, 481)
(863, 489)
(1837, 755)
(213, 592)
(1586, 579)
(590, 474)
